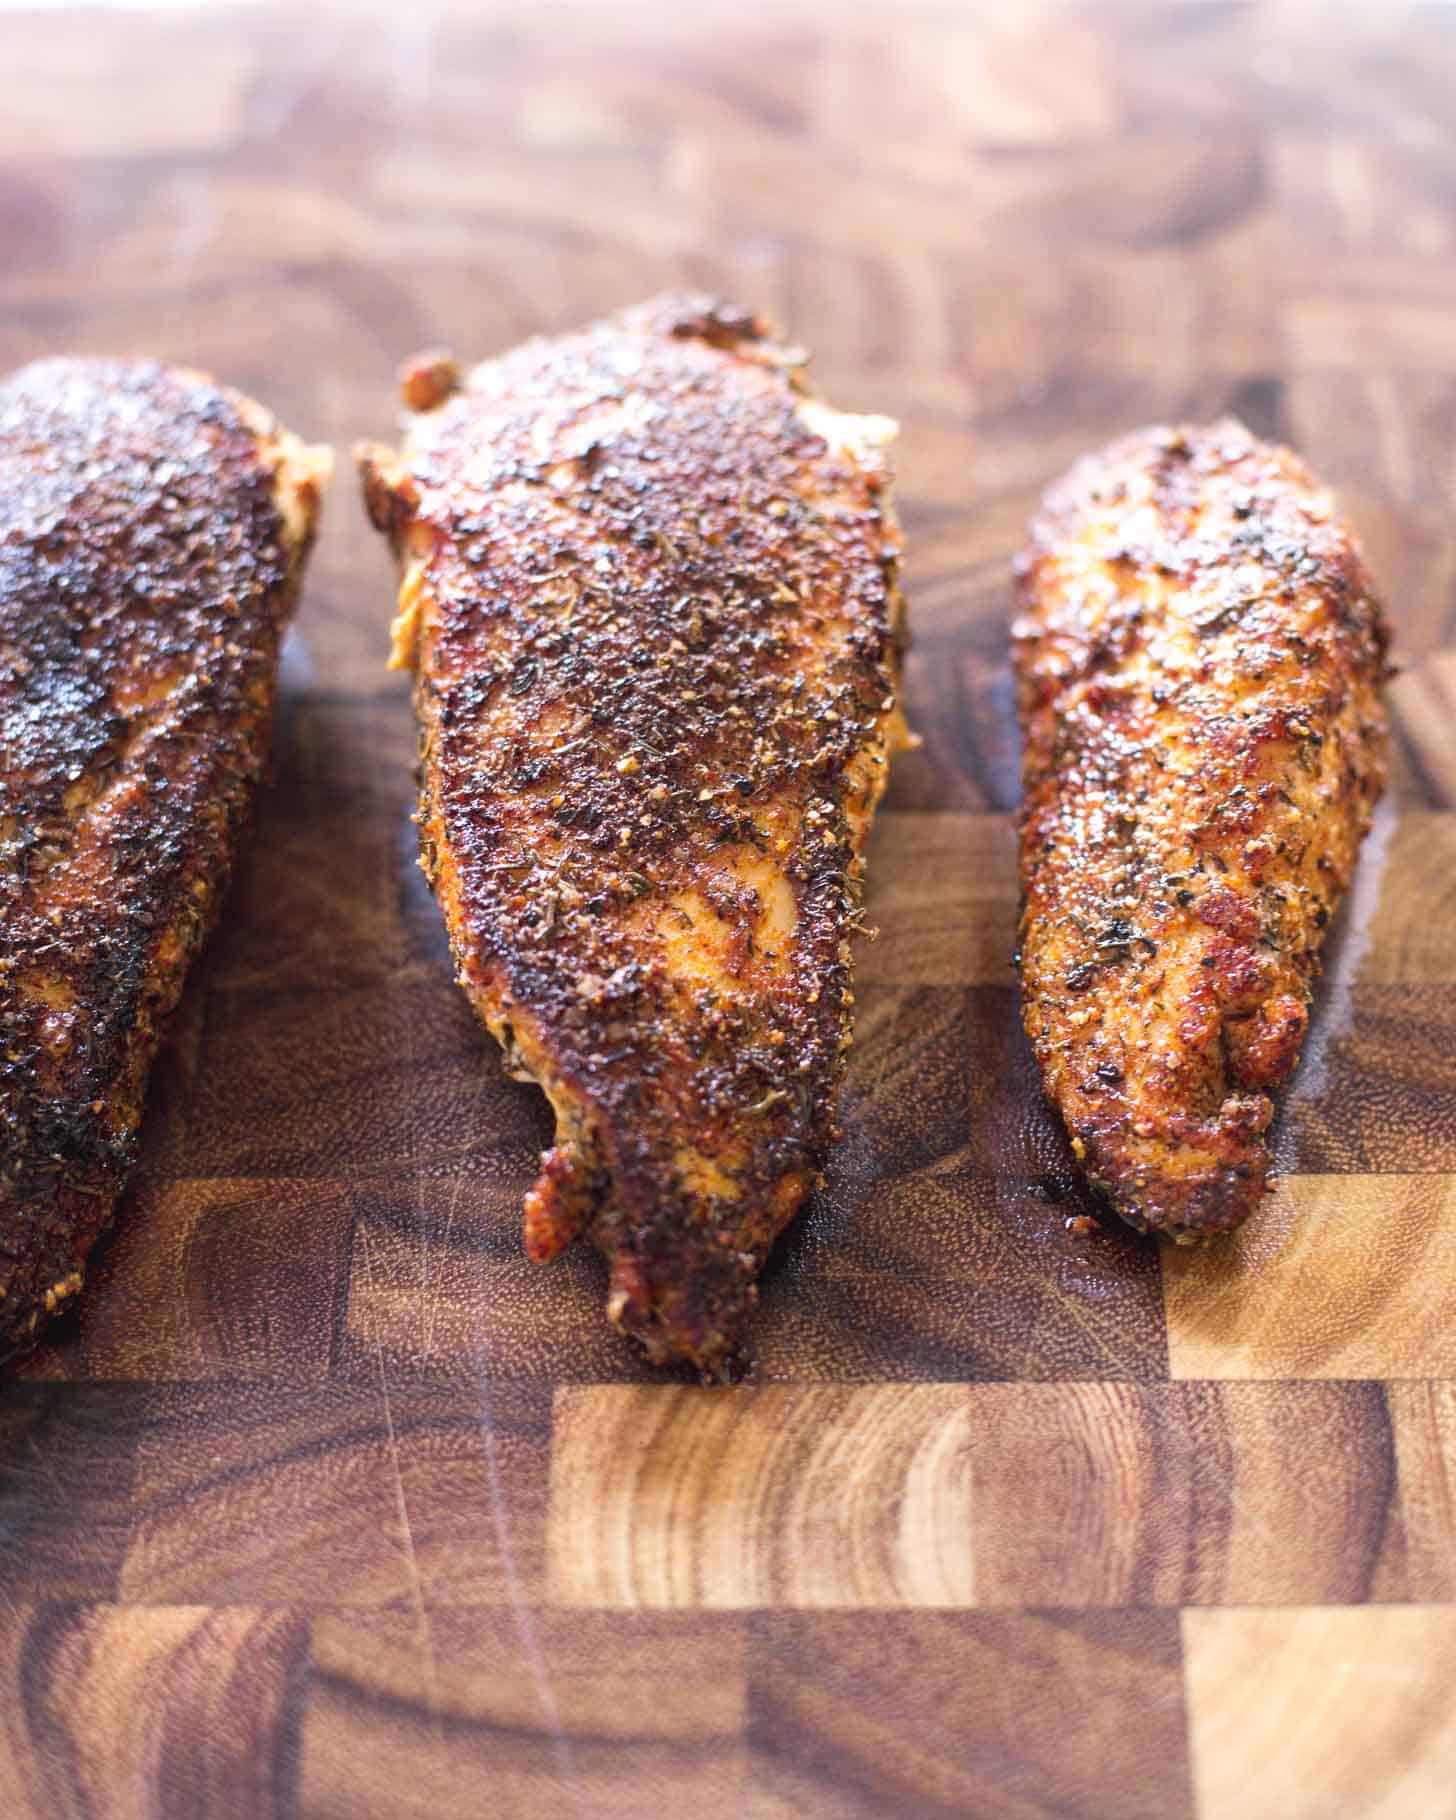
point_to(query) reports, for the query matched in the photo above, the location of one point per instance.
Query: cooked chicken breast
(649, 594)
(1199, 656)
(153, 528)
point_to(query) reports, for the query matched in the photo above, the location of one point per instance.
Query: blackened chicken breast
(649, 594)
(1199, 656)
(153, 530)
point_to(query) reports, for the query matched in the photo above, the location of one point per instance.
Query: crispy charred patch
(152, 527)
(1199, 654)
(649, 592)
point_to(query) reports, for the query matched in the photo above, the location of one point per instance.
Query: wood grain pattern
(1078, 1496)
(889, 1713)
(565, 1714)
(254, 1493)
(69, 1461)
(1424, 1418)
(1333, 1712)
(118, 1710)
(659, 1498)
(1343, 1277)
(324, 1505)
(217, 1277)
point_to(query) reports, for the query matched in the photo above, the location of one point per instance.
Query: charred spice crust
(146, 574)
(655, 622)
(1199, 655)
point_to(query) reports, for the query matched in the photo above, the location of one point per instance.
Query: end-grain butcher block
(153, 530)
(1200, 656)
(650, 598)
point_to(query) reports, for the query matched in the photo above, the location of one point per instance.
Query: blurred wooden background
(326, 1504)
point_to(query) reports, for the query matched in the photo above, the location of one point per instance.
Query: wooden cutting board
(328, 1504)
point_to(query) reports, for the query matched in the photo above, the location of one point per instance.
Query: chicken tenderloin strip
(649, 593)
(1199, 655)
(153, 530)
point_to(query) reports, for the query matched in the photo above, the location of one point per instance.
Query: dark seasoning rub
(653, 611)
(146, 573)
(1199, 659)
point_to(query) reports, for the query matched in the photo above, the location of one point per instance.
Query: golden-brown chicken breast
(1199, 655)
(649, 593)
(153, 528)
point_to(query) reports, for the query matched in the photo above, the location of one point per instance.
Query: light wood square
(1339, 1714)
(1335, 1277)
